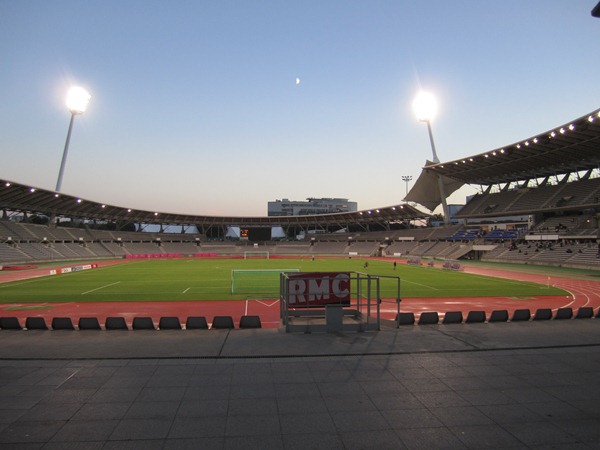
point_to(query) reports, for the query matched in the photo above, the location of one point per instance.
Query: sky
(196, 106)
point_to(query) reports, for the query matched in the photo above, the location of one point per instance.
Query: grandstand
(538, 203)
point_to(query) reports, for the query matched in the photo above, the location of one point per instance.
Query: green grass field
(208, 279)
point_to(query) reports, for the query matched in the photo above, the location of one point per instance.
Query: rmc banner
(314, 289)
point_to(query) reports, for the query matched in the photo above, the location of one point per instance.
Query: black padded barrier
(222, 323)
(585, 312)
(543, 314)
(405, 318)
(499, 315)
(115, 323)
(10, 323)
(453, 317)
(88, 323)
(35, 323)
(250, 322)
(62, 323)
(143, 323)
(521, 315)
(476, 317)
(429, 318)
(563, 314)
(196, 323)
(169, 323)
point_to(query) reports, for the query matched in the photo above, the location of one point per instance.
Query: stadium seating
(62, 323)
(222, 323)
(429, 318)
(143, 323)
(564, 313)
(10, 323)
(88, 323)
(115, 323)
(476, 317)
(35, 323)
(196, 323)
(453, 317)
(169, 323)
(250, 322)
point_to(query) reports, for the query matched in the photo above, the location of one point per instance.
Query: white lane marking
(101, 287)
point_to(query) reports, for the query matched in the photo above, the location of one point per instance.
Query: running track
(583, 293)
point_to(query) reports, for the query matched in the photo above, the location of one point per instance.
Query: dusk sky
(196, 106)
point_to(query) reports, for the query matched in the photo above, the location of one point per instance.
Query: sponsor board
(314, 289)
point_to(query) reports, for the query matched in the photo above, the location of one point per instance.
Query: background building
(311, 206)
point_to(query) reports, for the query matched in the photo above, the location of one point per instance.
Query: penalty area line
(101, 287)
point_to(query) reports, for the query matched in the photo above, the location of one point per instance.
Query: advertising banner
(314, 289)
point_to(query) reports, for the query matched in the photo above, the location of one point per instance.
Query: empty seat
(476, 317)
(143, 323)
(429, 318)
(169, 323)
(521, 315)
(196, 323)
(453, 317)
(89, 323)
(10, 323)
(222, 322)
(406, 318)
(62, 323)
(499, 315)
(585, 312)
(564, 313)
(543, 314)
(35, 323)
(250, 322)
(115, 323)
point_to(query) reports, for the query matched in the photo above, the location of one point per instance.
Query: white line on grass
(186, 290)
(419, 284)
(101, 287)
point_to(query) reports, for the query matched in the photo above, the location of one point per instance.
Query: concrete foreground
(499, 385)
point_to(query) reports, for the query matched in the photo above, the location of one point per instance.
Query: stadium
(387, 327)
(537, 205)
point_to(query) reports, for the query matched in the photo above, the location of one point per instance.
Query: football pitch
(211, 279)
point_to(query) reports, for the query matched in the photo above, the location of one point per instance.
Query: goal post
(256, 254)
(257, 281)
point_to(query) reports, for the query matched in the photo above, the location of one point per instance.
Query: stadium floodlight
(406, 179)
(77, 101)
(425, 108)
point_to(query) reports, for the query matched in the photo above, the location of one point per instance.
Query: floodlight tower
(77, 101)
(406, 179)
(425, 107)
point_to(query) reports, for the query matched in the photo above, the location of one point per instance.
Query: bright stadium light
(77, 101)
(425, 108)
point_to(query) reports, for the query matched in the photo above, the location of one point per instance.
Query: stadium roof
(17, 197)
(572, 147)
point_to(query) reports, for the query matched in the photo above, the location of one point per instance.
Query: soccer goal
(259, 281)
(256, 254)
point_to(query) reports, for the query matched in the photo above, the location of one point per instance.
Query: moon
(297, 80)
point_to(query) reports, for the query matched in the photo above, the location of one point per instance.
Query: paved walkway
(501, 385)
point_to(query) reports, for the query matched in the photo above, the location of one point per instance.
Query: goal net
(256, 254)
(260, 281)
